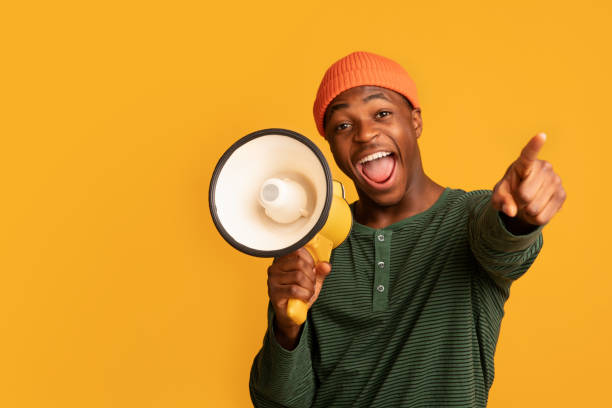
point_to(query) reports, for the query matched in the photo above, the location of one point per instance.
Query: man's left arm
(505, 230)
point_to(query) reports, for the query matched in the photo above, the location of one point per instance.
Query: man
(410, 315)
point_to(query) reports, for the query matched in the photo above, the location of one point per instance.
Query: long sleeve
(503, 255)
(280, 377)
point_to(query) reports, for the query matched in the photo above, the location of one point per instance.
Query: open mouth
(377, 168)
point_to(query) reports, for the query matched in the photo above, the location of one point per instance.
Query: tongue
(378, 170)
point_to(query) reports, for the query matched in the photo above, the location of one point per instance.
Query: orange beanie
(357, 69)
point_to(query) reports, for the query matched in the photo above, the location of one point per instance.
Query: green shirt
(409, 315)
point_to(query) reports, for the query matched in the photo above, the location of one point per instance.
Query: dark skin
(369, 119)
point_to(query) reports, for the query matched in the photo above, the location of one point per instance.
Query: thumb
(322, 269)
(502, 199)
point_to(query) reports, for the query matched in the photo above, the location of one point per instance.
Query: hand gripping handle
(320, 249)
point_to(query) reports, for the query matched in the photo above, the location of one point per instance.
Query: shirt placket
(380, 290)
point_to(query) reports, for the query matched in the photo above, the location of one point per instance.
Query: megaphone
(272, 193)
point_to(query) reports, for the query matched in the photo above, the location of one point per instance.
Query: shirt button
(380, 288)
(381, 237)
(381, 264)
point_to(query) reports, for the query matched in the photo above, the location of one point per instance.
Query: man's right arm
(282, 375)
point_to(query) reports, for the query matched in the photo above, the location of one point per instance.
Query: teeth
(374, 156)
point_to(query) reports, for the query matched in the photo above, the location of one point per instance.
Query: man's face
(373, 134)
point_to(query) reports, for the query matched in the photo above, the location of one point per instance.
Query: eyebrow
(336, 107)
(374, 96)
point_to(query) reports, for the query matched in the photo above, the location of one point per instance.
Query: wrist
(516, 225)
(287, 335)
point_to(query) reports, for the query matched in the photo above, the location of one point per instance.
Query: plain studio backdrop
(117, 290)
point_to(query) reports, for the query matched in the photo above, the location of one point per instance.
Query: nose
(367, 131)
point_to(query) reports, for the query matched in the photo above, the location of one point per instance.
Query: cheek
(341, 157)
(409, 143)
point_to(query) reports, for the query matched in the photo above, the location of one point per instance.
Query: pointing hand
(530, 190)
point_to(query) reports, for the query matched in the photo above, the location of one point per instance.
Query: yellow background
(117, 291)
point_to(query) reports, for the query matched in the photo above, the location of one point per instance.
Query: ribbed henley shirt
(409, 316)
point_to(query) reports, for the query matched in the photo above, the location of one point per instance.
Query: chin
(383, 200)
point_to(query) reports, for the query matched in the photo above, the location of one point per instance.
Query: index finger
(530, 152)
(300, 253)
(305, 255)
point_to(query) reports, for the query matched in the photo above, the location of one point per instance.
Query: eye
(342, 126)
(382, 114)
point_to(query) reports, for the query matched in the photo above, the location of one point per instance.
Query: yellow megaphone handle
(297, 311)
(333, 233)
(320, 249)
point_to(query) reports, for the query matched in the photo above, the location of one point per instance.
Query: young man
(410, 315)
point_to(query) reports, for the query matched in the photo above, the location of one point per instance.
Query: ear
(417, 121)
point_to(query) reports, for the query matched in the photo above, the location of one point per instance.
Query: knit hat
(357, 69)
